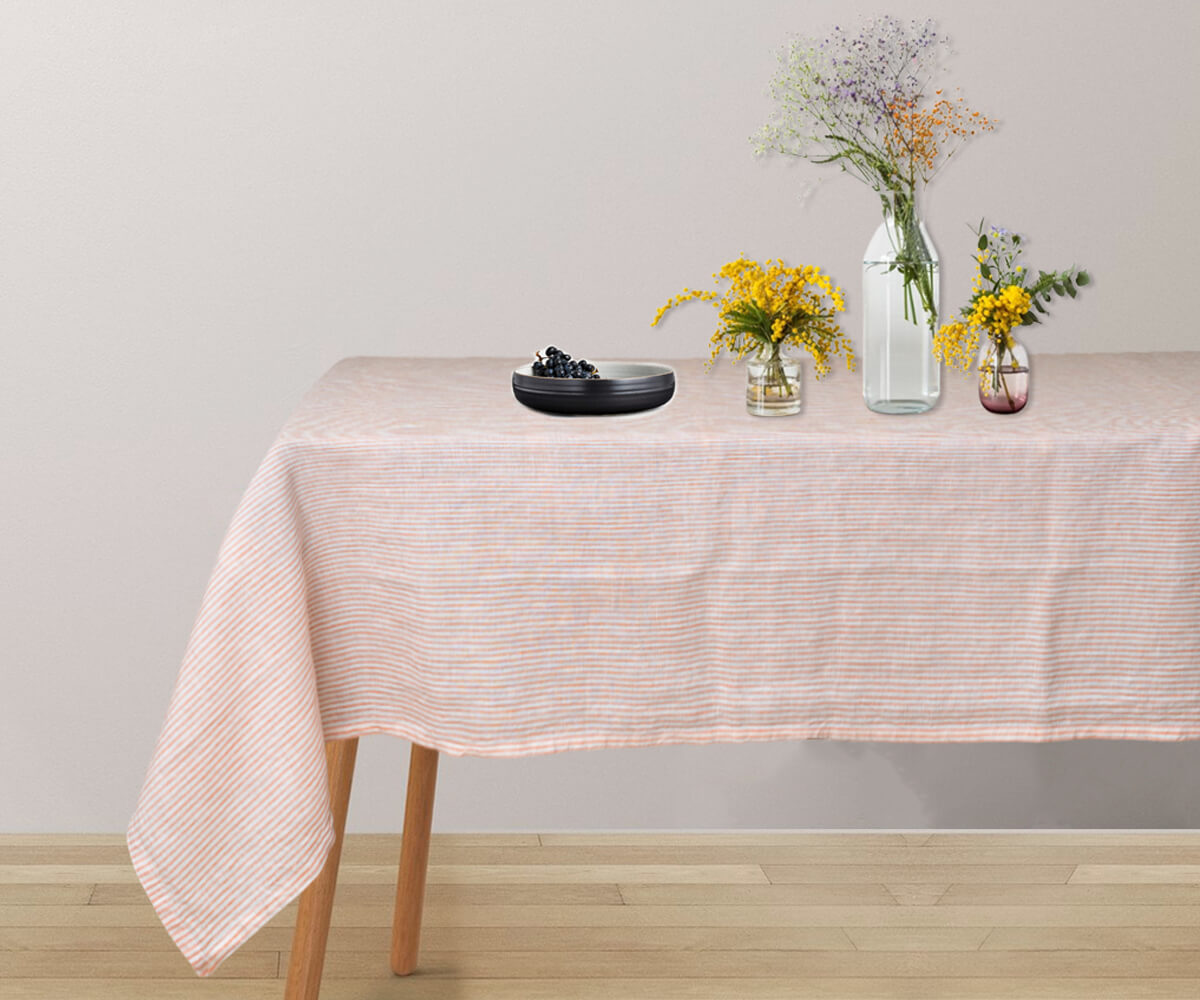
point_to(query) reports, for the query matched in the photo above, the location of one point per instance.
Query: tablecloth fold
(233, 820)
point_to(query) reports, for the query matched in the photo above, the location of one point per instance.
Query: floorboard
(642, 916)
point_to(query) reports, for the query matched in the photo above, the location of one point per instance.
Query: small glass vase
(1003, 376)
(900, 307)
(773, 385)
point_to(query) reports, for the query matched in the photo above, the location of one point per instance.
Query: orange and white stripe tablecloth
(421, 555)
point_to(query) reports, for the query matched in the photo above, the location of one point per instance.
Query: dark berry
(556, 363)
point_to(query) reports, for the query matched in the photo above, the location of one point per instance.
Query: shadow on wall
(818, 784)
(1077, 784)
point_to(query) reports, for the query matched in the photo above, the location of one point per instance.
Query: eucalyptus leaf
(982, 244)
(985, 271)
(1083, 278)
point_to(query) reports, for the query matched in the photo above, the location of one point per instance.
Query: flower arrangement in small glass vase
(1002, 298)
(765, 309)
(864, 100)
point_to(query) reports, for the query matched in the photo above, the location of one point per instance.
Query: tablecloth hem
(206, 960)
(833, 733)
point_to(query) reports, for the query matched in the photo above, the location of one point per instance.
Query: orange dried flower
(924, 138)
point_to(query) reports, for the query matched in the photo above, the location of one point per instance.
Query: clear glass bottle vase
(900, 308)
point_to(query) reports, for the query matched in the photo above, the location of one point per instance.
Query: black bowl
(623, 387)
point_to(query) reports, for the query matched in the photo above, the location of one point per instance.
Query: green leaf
(1070, 287)
(1058, 289)
(1083, 278)
(985, 271)
(1016, 239)
(982, 244)
(1038, 306)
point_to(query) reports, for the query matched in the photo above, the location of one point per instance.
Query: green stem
(912, 259)
(776, 371)
(998, 380)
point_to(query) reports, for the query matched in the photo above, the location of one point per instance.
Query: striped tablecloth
(421, 555)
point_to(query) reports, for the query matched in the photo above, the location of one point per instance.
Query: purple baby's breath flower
(853, 97)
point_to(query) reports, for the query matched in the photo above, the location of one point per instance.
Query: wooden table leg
(414, 859)
(316, 902)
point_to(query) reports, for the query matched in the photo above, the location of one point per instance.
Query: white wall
(204, 205)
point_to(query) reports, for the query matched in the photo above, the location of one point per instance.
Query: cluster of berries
(557, 364)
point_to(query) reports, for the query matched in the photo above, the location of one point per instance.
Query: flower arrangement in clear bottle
(866, 102)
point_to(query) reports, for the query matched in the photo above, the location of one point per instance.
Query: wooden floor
(669, 917)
